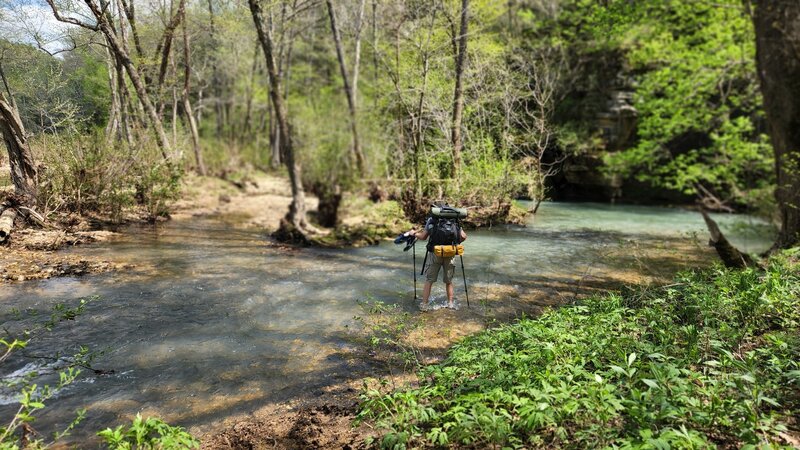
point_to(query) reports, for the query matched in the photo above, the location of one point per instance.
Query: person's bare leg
(426, 293)
(449, 289)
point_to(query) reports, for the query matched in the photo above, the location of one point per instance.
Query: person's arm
(463, 235)
(423, 233)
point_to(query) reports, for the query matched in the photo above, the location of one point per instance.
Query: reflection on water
(224, 322)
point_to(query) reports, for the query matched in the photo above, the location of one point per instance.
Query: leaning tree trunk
(458, 95)
(777, 25)
(23, 169)
(297, 210)
(730, 255)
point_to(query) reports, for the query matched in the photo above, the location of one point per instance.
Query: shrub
(81, 174)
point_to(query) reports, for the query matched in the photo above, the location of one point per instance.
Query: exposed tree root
(294, 234)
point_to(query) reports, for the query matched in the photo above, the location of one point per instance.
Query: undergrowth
(83, 174)
(710, 360)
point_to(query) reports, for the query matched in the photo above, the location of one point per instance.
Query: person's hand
(410, 232)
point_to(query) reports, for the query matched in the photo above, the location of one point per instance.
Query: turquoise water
(215, 321)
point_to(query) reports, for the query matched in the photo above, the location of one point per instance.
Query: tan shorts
(437, 262)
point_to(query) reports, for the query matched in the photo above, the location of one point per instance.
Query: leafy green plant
(146, 434)
(711, 359)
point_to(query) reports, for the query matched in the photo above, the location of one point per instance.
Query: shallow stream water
(214, 321)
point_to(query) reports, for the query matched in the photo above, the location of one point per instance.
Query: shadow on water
(217, 322)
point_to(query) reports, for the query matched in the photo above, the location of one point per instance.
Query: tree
(187, 105)
(23, 170)
(350, 89)
(546, 70)
(686, 71)
(777, 27)
(297, 210)
(117, 45)
(460, 53)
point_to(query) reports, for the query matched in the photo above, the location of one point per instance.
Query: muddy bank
(38, 254)
(323, 424)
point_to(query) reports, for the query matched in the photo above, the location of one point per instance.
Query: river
(215, 321)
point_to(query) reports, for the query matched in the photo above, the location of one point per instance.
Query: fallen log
(730, 255)
(7, 218)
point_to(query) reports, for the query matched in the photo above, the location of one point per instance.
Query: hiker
(441, 232)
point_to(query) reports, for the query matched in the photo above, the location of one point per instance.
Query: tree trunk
(418, 130)
(777, 25)
(458, 95)
(122, 87)
(215, 78)
(124, 104)
(165, 46)
(112, 129)
(348, 89)
(375, 45)
(249, 93)
(187, 105)
(357, 50)
(274, 139)
(23, 171)
(297, 210)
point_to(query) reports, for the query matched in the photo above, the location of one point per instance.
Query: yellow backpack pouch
(448, 251)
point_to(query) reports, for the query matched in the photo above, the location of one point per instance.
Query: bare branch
(70, 20)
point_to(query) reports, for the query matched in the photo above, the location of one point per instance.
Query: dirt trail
(260, 201)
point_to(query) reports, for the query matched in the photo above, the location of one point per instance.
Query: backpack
(445, 232)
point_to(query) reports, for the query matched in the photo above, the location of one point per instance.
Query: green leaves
(146, 434)
(697, 101)
(669, 373)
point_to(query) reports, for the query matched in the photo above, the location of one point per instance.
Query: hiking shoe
(454, 307)
(424, 307)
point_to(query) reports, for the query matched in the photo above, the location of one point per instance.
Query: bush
(81, 174)
(712, 359)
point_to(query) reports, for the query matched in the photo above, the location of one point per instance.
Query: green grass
(710, 360)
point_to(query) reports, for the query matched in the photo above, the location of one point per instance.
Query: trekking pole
(464, 275)
(414, 252)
